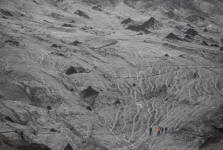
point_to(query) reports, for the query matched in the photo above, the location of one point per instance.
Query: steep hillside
(107, 75)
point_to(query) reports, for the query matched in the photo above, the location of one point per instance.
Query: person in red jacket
(158, 131)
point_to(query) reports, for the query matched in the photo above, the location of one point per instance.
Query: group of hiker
(160, 130)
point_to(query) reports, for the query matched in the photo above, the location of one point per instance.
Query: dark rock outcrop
(75, 43)
(56, 46)
(214, 45)
(187, 37)
(68, 147)
(170, 14)
(9, 119)
(12, 42)
(34, 146)
(53, 130)
(12, 144)
(204, 43)
(67, 25)
(205, 30)
(89, 92)
(6, 13)
(138, 28)
(89, 95)
(97, 7)
(89, 108)
(58, 54)
(195, 18)
(72, 70)
(81, 14)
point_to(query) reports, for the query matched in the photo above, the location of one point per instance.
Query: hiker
(158, 131)
(161, 130)
(165, 130)
(150, 131)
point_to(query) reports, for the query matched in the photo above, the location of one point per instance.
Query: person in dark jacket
(161, 130)
(166, 130)
(150, 131)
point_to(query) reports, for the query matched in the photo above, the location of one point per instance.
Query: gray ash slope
(72, 76)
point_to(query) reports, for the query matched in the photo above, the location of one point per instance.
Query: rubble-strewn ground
(97, 75)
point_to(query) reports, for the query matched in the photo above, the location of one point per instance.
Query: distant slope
(73, 77)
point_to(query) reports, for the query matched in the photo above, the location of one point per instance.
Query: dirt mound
(191, 32)
(152, 23)
(173, 36)
(138, 28)
(127, 21)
